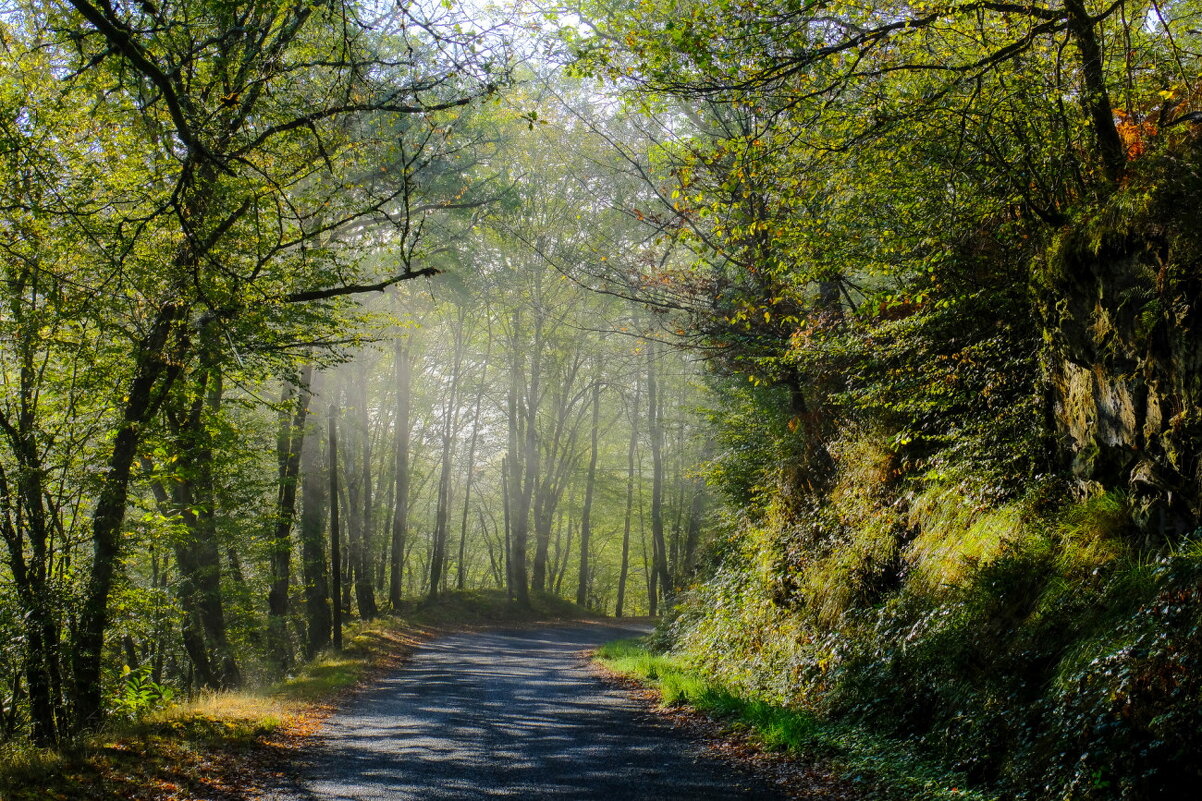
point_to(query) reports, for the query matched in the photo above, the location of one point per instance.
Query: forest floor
(234, 746)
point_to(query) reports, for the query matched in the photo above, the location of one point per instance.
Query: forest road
(515, 713)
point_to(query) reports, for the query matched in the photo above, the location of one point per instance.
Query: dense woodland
(861, 341)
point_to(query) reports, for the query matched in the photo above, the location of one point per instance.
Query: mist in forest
(857, 343)
(523, 436)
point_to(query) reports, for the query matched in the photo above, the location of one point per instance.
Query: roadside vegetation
(877, 766)
(227, 745)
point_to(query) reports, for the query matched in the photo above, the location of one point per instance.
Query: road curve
(514, 713)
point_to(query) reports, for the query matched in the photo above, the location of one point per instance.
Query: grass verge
(230, 746)
(885, 769)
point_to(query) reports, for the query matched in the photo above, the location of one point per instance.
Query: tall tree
(335, 532)
(590, 480)
(312, 540)
(403, 366)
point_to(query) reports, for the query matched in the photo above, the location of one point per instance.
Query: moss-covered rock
(1120, 294)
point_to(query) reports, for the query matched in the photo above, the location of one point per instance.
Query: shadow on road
(511, 714)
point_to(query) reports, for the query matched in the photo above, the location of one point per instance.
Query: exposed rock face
(1122, 322)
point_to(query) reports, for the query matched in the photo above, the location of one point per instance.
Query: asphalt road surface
(511, 714)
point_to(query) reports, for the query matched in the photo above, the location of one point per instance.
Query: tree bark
(582, 585)
(523, 462)
(461, 564)
(157, 363)
(400, 509)
(656, 430)
(1095, 98)
(335, 540)
(312, 540)
(26, 532)
(624, 570)
(291, 441)
(361, 528)
(442, 516)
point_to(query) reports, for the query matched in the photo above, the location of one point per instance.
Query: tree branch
(358, 289)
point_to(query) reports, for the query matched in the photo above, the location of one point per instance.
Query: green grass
(887, 767)
(365, 645)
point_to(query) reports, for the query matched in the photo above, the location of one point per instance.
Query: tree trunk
(656, 430)
(312, 540)
(523, 463)
(693, 527)
(190, 495)
(208, 553)
(335, 539)
(1095, 98)
(27, 536)
(442, 517)
(400, 508)
(582, 585)
(365, 594)
(158, 360)
(290, 442)
(461, 564)
(543, 522)
(624, 570)
(507, 524)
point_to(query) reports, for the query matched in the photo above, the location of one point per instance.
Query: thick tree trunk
(361, 550)
(530, 457)
(441, 520)
(313, 548)
(542, 534)
(158, 360)
(506, 500)
(26, 534)
(40, 636)
(290, 442)
(204, 498)
(1095, 98)
(192, 496)
(187, 590)
(563, 553)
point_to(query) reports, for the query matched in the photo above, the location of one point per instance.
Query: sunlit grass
(326, 675)
(177, 750)
(218, 717)
(886, 768)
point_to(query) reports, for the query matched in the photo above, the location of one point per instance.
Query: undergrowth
(1027, 644)
(884, 768)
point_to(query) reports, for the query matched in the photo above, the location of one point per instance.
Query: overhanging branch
(358, 289)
